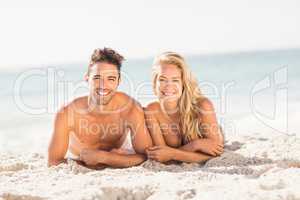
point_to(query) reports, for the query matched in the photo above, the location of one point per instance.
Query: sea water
(252, 92)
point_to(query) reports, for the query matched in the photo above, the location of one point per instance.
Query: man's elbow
(51, 163)
(54, 160)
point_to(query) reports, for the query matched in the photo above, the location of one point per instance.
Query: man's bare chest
(93, 130)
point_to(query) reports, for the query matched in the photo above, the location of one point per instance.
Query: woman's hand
(160, 153)
(209, 146)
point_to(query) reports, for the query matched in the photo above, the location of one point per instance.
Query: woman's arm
(153, 125)
(166, 153)
(213, 141)
(205, 145)
(190, 157)
(209, 124)
(163, 153)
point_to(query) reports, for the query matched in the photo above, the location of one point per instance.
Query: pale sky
(56, 31)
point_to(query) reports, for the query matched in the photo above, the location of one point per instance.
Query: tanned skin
(94, 127)
(162, 119)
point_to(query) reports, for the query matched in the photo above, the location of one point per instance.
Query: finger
(151, 156)
(220, 149)
(151, 153)
(212, 153)
(154, 148)
(217, 152)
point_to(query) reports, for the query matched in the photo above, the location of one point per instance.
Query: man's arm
(112, 159)
(140, 137)
(140, 140)
(121, 160)
(60, 139)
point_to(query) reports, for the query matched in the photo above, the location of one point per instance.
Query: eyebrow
(99, 76)
(175, 77)
(112, 77)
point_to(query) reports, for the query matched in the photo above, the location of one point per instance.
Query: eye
(112, 79)
(161, 79)
(175, 80)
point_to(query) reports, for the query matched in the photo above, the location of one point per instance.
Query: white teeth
(168, 93)
(102, 93)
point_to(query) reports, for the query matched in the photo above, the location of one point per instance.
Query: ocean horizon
(252, 92)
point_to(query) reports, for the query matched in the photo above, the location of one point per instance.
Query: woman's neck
(170, 108)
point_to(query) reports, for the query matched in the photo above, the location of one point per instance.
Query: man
(94, 127)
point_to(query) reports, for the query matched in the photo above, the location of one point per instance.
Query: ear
(86, 76)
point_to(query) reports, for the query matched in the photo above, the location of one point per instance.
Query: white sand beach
(245, 56)
(255, 167)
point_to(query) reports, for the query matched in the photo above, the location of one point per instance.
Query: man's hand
(92, 157)
(209, 146)
(160, 153)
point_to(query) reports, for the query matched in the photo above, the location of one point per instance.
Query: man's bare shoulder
(76, 104)
(153, 106)
(123, 98)
(153, 109)
(128, 105)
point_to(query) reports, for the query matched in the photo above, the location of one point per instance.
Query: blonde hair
(189, 101)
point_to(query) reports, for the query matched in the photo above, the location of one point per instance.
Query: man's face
(103, 81)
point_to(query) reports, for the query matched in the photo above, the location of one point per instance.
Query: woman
(182, 123)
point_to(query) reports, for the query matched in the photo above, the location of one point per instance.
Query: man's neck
(96, 109)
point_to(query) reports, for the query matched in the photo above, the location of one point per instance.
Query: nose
(103, 83)
(170, 84)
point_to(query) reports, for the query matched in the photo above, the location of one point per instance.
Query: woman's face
(169, 82)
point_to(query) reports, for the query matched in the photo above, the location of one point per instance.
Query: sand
(252, 167)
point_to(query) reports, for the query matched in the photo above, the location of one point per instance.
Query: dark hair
(107, 55)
